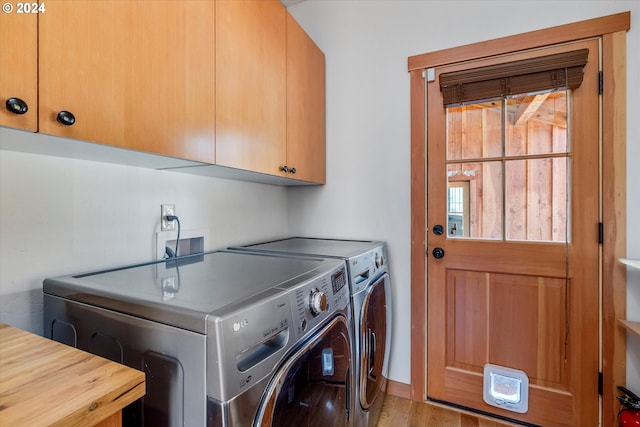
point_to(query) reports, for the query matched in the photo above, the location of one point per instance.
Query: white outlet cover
(164, 211)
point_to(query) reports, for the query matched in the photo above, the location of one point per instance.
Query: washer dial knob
(318, 302)
(379, 261)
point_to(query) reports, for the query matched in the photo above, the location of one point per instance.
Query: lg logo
(237, 325)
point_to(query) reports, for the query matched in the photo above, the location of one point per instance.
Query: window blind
(558, 71)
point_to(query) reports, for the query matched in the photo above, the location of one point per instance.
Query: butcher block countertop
(45, 383)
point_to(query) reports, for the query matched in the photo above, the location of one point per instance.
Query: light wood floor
(399, 412)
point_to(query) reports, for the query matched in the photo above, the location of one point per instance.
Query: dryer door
(373, 342)
(311, 388)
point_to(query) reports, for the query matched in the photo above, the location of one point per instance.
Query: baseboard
(399, 389)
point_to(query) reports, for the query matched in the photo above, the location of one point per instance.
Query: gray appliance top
(336, 248)
(184, 292)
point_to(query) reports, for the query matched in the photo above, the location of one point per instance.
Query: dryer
(370, 289)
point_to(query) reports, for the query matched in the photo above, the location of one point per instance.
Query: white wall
(62, 216)
(367, 43)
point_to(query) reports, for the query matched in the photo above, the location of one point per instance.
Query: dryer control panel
(366, 267)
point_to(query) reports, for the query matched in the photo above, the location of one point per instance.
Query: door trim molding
(533, 39)
(612, 29)
(614, 213)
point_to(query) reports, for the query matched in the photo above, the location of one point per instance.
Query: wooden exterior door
(512, 273)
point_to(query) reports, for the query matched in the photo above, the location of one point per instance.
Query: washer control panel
(319, 299)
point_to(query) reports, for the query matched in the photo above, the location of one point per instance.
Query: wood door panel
(507, 320)
(527, 326)
(524, 258)
(468, 293)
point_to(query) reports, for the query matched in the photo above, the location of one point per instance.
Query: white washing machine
(371, 298)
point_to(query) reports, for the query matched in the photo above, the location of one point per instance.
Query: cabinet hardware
(16, 106)
(66, 118)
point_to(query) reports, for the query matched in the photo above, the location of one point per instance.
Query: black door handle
(372, 355)
(438, 253)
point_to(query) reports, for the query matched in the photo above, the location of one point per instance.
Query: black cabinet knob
(284, 169)
(16, 106)
(438, 229)
(438, 253)
(66, 118)
(293, 170)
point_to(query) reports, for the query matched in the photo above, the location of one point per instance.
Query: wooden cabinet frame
(612, 31)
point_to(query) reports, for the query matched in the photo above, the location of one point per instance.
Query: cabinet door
(305, 106)
(19, 69)
(135, 74)
(250, 85)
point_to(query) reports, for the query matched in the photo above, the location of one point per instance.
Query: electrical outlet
(164, 211)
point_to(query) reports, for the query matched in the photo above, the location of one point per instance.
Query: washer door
(373, 342)
(311, 387)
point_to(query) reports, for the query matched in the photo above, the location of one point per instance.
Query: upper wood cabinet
(19, 72)
(251, 85)
(270, 87)
(229, 83)
(133, 74)
(305, 106)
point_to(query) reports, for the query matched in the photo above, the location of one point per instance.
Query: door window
(508, 164)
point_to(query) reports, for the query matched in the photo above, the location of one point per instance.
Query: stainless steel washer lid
(319, 247)
(185, 292)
